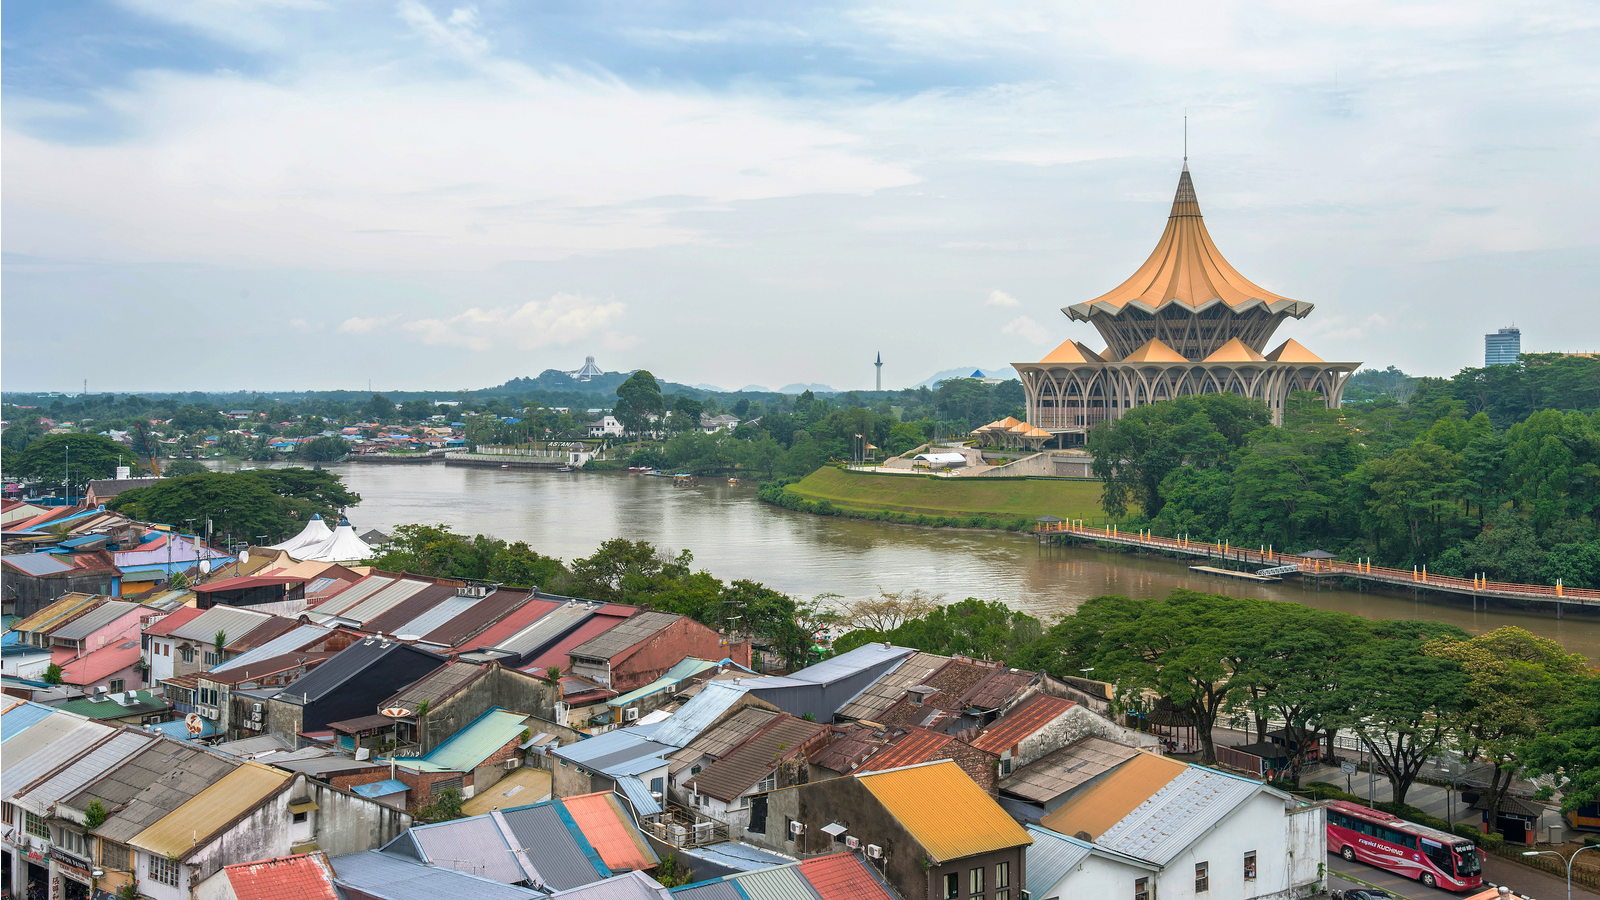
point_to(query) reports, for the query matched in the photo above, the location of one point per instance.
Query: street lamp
(1566, 859)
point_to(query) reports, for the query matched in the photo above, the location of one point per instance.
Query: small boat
(505, 467)
(564, 469)
(733, 481)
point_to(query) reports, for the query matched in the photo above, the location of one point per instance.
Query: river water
(735, 536)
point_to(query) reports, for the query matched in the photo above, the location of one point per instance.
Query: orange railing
(1420, 576)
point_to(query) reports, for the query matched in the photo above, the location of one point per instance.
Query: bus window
(1467, 861)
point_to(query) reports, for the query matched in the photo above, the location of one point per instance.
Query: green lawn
(927, 495)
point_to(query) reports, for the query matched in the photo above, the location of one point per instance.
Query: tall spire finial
(1186, 139)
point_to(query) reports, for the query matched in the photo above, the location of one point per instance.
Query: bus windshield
(1467, 862)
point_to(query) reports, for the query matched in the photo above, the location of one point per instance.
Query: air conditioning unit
(630, 715)
(854, 843)
(874, 851)
(255, 710)
(513, 764)
(797, 828)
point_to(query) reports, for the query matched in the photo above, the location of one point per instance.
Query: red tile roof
(841, 876)
(1009, 730)
(303, 877)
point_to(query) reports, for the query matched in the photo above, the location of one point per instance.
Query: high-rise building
(1185, 323)
(1503, 347)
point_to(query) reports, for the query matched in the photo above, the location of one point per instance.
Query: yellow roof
(1038, 432)
(1186, 266)
(1008, 421)
(179, 832)
(1154, 351)
(519, 788)
(1109, 800)
(52, 614)
(1235, 351)
(1019, 428)
(1067, 353)
(1291, 351)
(945, 811)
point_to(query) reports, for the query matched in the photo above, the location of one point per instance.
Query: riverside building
(1185, 323)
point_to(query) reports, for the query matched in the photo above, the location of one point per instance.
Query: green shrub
(1494, 840)
(1412, 814)
(1466, 830)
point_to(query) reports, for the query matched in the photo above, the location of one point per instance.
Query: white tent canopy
(943, 459)
(342, 546)
(316, 532)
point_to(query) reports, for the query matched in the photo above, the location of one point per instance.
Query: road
(1497, 871)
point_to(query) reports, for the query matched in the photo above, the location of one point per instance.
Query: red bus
(1376, 838)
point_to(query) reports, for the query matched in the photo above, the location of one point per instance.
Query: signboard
(1348, 768)
(194, 724)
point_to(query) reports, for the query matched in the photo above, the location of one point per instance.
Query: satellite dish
(205, 567)
(244, 556)
(195, 724)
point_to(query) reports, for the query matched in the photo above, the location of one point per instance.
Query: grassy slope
(952, 496)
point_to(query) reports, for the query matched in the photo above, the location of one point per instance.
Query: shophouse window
(35, 825)
(1141, 889)
(1202, 877)
(113, 856)
(975, 882)
(1002, 875)
(116, 685)
(1250, 866)
(952, 885)
(163, 870)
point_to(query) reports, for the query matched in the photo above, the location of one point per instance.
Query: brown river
(733, 535)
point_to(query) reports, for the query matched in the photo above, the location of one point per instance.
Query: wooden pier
(1555, 596)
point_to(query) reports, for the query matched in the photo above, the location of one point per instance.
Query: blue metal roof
(638, 795)
(739, 855)
(854, 662)
(614, 751)
(1050, 858)
(715, 889)
(381, 788)
(394, 877)
(179, 730)
(716, 698)
(685, 669)
(37, 564)
(20, 718)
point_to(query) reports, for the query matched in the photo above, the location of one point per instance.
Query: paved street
(1496, 871)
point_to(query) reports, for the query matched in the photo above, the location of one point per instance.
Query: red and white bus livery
(1433, 857)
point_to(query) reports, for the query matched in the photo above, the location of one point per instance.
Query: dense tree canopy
(273, 503)
(56, 458)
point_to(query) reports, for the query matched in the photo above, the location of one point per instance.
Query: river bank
(1003, 500)
(733, 536)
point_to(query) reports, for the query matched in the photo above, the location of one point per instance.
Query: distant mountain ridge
(1004, 373)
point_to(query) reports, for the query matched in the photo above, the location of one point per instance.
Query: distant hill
(802, 388)
(1005, 373)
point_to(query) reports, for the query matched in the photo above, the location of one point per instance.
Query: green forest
(1492, 472)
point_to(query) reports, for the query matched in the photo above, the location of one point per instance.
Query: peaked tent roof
(1185, 267)
(1154, 350)
(1234, 351)
(1291, 350)
(315, 532)
(342, 546)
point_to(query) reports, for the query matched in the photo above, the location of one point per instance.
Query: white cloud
(556, 322)
(1027, 329)
(300, 325)
(1001, 298)
(365, 325)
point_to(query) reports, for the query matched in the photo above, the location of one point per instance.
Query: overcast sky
(277, 194)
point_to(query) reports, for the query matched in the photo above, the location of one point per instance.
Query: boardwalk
(1283, 564)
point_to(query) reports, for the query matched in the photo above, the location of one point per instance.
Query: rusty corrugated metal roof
(611, 832)
(945, 810)
(843, 876)
(1006, 731)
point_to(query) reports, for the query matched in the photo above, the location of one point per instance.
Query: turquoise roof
(468, 748)
(685, 669)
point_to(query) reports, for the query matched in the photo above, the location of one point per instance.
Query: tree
(446, 806)
(619, 564)
(90, 456)
(322, 449)
(1412, 495)
(638, 399)
(52, 674)
(1133, 454)
(379, 409)
(1194, 649)
(889, 610)
(1516, 685)
(1399, 701)
(264, 501)
(1297, 675)
(180, 467)
(1570, 750)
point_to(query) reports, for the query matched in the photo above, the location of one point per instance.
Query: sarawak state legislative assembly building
(1186, 323)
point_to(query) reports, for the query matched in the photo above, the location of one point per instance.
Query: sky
(424, 195)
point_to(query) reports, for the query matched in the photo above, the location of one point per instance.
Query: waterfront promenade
(1276, 563)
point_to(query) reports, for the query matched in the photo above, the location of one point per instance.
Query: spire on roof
(1184, 203)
